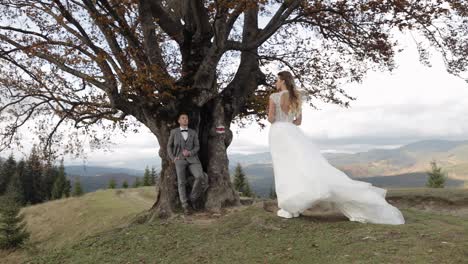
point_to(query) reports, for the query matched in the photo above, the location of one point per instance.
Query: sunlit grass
(56, 223)
(93, 229)
(256, 236)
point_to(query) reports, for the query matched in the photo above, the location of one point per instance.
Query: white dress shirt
(184, 134)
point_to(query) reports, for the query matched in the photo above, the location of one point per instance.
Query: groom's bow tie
(184, 130)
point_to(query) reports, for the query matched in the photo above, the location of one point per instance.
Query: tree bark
(167, 199)
(212, 154)
(221, 192)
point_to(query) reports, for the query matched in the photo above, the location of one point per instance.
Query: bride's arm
(271, 110)
(298, 120)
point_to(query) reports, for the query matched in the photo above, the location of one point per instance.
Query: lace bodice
(280, 115)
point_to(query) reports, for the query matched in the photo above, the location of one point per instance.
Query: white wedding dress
(304, 178)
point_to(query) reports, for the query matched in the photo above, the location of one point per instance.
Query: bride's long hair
(294, 96)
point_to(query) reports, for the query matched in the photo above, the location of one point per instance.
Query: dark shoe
(196, 205)
(187, 210)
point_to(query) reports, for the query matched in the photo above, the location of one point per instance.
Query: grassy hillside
(56, 223)
(93, 229)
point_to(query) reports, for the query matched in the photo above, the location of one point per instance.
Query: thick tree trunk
(167, 199)
(221, 192)
(213, 156)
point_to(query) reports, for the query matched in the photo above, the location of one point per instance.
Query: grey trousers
(199, 184)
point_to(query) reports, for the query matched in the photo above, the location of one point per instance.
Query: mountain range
(405, 166)
(452, 156)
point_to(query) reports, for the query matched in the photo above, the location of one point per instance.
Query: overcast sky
(412, 103)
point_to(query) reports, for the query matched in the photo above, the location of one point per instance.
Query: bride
(304, 178)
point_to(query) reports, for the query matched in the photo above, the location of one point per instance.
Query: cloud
(412, 103)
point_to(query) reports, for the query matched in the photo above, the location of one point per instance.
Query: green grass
(454, 195)
(93, 229)
(256, 236)
(56, 223)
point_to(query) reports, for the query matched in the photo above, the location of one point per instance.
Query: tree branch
(172, 27)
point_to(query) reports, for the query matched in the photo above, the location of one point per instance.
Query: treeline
(34, 180)
(241, 183)
(149, 179)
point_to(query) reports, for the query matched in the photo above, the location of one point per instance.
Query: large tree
(7, 172)
(101, 65)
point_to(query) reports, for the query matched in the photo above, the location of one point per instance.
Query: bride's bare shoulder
(276, 93)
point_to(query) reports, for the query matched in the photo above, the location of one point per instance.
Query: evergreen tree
(60, 183)
(125, 184)
(147, 177)
(112, 184)
(67, 188)
(241, 183)
(57, 190)
(15, 190)
(12, 227)
(136, 183)
(77, 189)
(6, 173)
(436, 178)
(20, 168)
(32, 178)
(48, 178)
(272, 194)
(154, 176)
(239, 178)
(247, 191)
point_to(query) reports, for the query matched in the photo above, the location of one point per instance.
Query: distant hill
(401, 167)
(82, 170)
(261, 179)
(452, 156)
(414, 157)
(409, 180)
(93, 183)
(426, 146)
(93, 178)
(256, 158)
(407, 166)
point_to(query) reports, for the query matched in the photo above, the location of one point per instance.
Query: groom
(182, 149)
